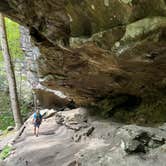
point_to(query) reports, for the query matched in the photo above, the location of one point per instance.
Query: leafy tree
(10, 74)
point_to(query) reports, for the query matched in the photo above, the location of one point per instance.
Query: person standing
(37, 120)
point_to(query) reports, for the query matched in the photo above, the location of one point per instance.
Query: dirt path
(53, 147)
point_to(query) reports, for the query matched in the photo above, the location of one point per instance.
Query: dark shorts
(37, 124)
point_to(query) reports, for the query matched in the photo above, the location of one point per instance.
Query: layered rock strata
(105, 53)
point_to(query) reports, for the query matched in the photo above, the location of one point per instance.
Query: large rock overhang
(93, 50)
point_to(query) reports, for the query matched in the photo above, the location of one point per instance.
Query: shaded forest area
(19, 64)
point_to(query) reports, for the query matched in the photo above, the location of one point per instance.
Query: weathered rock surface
(109, 53)
(102, 143)
(46, 113)
(47, 98)
(75, 119)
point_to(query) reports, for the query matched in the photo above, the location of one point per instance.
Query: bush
(5, 152)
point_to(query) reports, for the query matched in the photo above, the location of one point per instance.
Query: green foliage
(6, 118)
(132, 109)
(25, 109)
(146, 114)
(13, 35)
(152, 113)
(5, 152)
(108, 104)
(3, 81)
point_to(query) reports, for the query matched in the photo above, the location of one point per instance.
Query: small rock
(140, 139)
(163, 148)
(77, 137)
(106, 3)
(72, 163)
(83, 133)
(135, 147)
(67, 109)
(163, 127)
(156, 142)
(10, 128)
(76, 126)
(117, 44)
(89, 131)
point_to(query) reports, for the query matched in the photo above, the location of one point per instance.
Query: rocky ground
(5, 139)
(71, 138)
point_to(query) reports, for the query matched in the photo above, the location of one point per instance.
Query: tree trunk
(10, 74)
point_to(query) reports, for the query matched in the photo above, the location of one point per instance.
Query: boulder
(125, 145)
(83, 133)
(78, 115)
(74, 119)
(140, 139)
(47, 113)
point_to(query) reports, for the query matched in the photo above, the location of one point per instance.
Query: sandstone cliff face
(107, 53)
(47, 98)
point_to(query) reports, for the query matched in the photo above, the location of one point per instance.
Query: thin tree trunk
(20, 87)
(10, 74)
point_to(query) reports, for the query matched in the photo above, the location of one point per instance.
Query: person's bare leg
(37, 131)
(34, 130)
